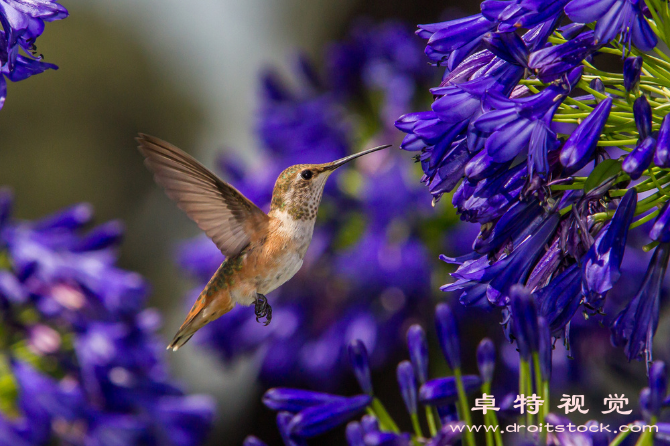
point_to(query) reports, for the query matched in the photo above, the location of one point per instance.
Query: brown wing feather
(226, 216)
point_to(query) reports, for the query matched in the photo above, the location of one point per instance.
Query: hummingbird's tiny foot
(268, 316)
(262, 309)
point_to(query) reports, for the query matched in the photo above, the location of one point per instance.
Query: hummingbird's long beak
(342, 161)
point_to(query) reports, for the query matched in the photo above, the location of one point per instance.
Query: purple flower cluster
(366, 272)
(507, 136)
(80, 355)
(22, 23)
(304, 414)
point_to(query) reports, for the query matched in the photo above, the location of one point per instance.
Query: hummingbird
(262, 251)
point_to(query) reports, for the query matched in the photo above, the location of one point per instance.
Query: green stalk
(491, 419)
(430, 418)
(620, 438)
(416, 425)
(385, 420)
(464, 408)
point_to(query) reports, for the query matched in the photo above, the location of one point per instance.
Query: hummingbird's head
(299, 188)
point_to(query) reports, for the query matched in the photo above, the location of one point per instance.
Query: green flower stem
(525, 384)
(646, 439)
(620, 142)
(491, 419)
(620, 438)
(539, 391)
(644, 219)
(657, 184)
(469, 438)
(430, 418)
(385, 420)
(416, 425)
(565, 210)
(649, 247)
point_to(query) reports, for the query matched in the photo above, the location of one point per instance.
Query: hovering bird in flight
(262, 250)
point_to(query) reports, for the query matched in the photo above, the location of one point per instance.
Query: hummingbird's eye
(306, 174)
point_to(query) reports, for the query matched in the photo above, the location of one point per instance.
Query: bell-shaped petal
(295, 400)
(662, 153)
(447, 335)
(554, 61)
(358, 358)
(387, 439)
(418, 351)
(632, 68)
(354, 434)
(580, 147)
(407, 384)
(600, 265)
(658, 385)
(316, 420)
(660, 232)
(637, 161)
(560, 299)
(642, 115)
(614, 17)
(636, 325)
(486, 359)
(441, 391)
(507, 46)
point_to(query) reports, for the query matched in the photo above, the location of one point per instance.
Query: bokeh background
(188, 72)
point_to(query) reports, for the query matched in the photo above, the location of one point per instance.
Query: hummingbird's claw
(262, 309)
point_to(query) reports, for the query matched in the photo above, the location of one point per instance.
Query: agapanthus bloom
(304, 414)
(87, 362)
(535, 163)
(23, 23)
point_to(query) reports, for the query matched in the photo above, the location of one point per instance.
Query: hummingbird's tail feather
(208, 307)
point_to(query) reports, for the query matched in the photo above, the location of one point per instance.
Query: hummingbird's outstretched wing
(226, 216)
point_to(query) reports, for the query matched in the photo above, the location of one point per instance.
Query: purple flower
(614, 17)
(418, 352)
(522, 13)
(447, 335)
(632, 68)
(358, 358)
(295, 400)
(387, 439)
(316, 420)
(442, 391)
(642, 114)
(660, 232)
(517, 125)
(635, 326)
(560, 299)
(524, 321)
(658, 386)
(480, 279)
(354, 434)
(637, 161)
(450, 42)
(407, 384)
(486, 359)
(600, 266)
(580, 147)
(662, 154)
(23, 23)
(507, 46)
(113, 380)
(554, 61)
